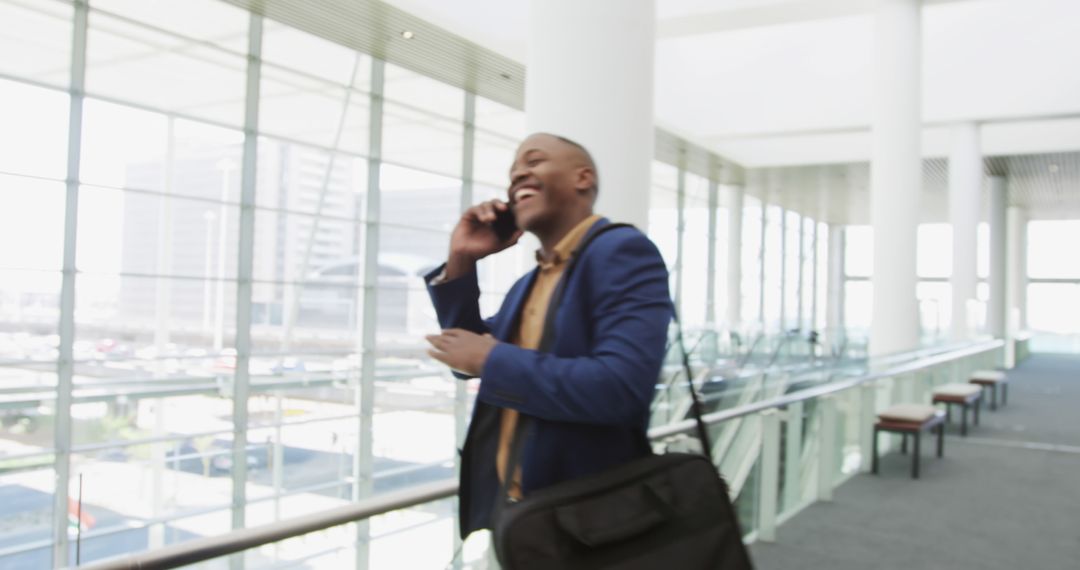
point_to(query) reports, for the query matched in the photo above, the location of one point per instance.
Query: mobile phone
(505, 224)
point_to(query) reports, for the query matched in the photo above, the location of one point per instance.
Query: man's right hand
(474, 238)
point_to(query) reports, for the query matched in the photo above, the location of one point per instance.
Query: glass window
(496, 118)
(859, 251)
(665, 176)
(311, 110)
(822, 275)
(285, 48)
(664, 224)
(33, 140)
(809, 228)
(34, 220)
(420, 139)
(30, 303)
(1054, 307)
(696, 251)
(298, 178)
(204, 20)
(41, 34)
(935, 308)
(423, 93)
(1047, 240)
(773, 260)
(858, 304)
(723, 263)
(982, 250)
(171, 73)
(751, 260)
(934, 257)
(149, 234)
(792, 262)
(492, 156)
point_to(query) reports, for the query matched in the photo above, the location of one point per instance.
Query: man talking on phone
(588, 395)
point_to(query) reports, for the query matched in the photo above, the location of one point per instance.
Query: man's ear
(586, 180)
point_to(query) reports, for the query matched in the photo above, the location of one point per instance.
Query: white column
(895, 176)
(965, 191)
(996, 318)
(1017, 268)
(591, 79)
(734, 255)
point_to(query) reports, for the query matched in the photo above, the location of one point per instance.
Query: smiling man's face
(549, 179)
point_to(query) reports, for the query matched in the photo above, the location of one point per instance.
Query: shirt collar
(566, 246)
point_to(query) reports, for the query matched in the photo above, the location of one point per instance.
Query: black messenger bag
(669, 512)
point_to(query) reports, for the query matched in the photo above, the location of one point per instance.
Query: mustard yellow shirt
(531, 328)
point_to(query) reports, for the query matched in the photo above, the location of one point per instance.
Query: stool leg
(903, 444)
(940, 440)
(874, 458)
(963, 420)
(948, 413)
(915, 456)
(1004, 394)
(978, 405)
(993, 397)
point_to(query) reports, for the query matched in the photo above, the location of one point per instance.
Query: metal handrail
(210, 547)
(207, 548)
(819, 391)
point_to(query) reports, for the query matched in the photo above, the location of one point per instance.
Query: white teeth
(524, 193)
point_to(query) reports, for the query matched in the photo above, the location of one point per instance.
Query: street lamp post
(208, 217)
(225, 166)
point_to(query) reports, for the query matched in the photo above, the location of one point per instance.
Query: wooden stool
(910, 419)
(992, 379)
(963, 395)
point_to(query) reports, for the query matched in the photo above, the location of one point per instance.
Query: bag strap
(696, 407)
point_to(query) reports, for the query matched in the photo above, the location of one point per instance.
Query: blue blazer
(589, 396)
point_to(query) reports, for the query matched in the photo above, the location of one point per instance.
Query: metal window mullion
(710, 272)
(461, 394)
(783, 269)
(761, 265)
(65, 366)
(245, 262)
(801, 306)
(814, 278)
(162, 304)
(363, 485)
(734, 264)
(680, 230)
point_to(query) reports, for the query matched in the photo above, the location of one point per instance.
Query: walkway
(1006, 497)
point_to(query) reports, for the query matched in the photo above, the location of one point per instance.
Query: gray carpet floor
(1005, 497)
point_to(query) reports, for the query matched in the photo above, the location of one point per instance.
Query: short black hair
(585, 153)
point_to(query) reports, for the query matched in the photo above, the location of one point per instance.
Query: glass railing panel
(747, 502)
(796, 446)
(848, 455)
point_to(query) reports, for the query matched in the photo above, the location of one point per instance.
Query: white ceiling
(788, 82)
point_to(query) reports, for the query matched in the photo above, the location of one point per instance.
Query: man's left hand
(462, 350)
